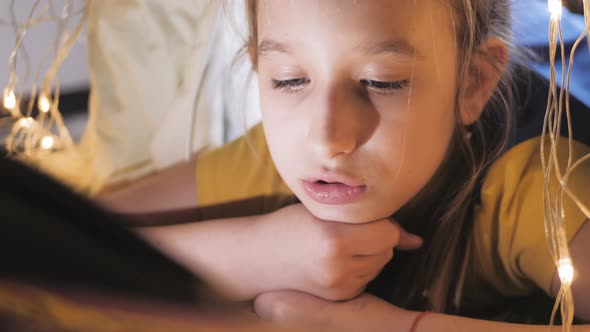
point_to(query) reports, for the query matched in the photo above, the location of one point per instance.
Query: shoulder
(509, 244)
(241, 169)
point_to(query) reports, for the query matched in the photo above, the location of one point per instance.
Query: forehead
(417, 24)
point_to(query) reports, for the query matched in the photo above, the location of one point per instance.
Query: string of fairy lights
(558, 103)
(37, 128)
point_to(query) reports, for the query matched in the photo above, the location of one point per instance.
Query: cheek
(283, 133)
(421, 145)
(429, 144)
(434, 119)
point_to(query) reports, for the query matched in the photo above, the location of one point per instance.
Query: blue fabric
(531, 29)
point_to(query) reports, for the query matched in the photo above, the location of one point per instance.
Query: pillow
(148, 61)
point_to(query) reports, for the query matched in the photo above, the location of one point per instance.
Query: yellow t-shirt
(510, 255)
(239, 170)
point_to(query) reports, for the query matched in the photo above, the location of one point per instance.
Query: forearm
(169, 189)
(218, 251)
(448, 323)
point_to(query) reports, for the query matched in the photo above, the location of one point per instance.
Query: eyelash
(290, 86)
(296, 84)
(385, 87)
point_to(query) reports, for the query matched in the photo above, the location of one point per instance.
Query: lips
(333, 189)
(334, 177)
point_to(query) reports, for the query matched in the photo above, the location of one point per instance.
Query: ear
(488, 65)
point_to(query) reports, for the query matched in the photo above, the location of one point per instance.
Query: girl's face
(358, 100)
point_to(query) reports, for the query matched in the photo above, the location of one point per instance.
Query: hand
(332, 260)
(365, 313)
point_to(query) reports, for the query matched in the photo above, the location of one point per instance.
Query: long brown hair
(442, 212)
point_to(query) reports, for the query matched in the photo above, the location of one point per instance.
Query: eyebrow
(269, 46)
(393, 47)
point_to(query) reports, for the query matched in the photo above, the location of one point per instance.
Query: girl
(379, 117)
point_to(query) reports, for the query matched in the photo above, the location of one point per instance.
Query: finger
(371, 264)
(376, 259)
(407, 241)
(370, 238)
(367, 278)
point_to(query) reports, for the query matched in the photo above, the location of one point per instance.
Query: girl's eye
(290, 86)
(385, 87)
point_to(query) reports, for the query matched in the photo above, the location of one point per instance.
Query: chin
(346, 213)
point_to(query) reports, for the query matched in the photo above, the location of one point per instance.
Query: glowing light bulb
(43, 104)
(555, 8)
(25, 122)
(47, 142)
(9, 100)
(566, 271)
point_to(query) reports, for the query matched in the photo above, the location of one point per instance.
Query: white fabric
(162, 87)
(146, 58)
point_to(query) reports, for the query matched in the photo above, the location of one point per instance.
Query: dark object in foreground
(62, 254)
(50, 234)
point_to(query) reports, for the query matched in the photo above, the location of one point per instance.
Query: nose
(340, 123)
